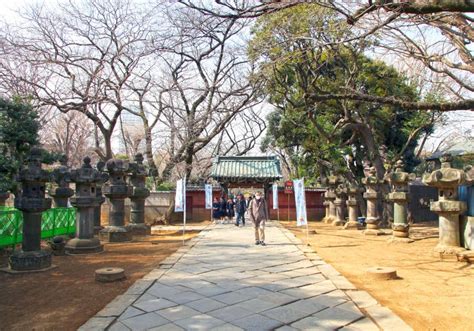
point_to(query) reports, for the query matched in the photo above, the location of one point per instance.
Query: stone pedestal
(137, 213)
(326, 208)
(352, 207)
(447, 180)
(100, 199)
(330, 196)
(85, 201)
(117, 191)
(32, 202)
(372, 196)
(399, 196)
(340, 205)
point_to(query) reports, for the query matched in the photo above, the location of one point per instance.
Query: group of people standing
(256, 209)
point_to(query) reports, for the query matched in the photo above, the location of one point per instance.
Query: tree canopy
(316, 136)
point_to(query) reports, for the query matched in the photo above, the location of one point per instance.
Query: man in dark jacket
(240, 208)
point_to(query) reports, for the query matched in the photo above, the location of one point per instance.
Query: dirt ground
(430, 295)
(67, 296)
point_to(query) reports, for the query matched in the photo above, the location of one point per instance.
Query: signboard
(180, 197)
(208, 191)
(288, 187)
(300, 202)
(275, 196)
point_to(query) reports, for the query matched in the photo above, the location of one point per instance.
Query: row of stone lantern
(87, 200)
(447, 180)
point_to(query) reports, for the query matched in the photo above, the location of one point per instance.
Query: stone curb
(107, 316)
(383, 317)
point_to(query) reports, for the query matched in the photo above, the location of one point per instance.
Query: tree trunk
(149, 152)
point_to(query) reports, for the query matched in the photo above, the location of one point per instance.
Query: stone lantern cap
(447, 177)
(400, 177)
(371, 178)
(117, 186)
(399, 180)
(86, 179)
(33, 180)
(86, 174)
(62, 177)
(138, 174)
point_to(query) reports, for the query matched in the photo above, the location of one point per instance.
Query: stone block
(386, 319)
(145, 321)
(199, 322)
(96, 324)
(362, 299)
(117, 306)
(257, 322)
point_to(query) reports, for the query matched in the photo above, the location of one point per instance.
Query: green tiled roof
(246, 168)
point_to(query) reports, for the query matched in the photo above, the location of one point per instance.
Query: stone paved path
(222, 281)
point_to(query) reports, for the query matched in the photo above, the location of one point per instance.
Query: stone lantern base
(30, 261)
(353, 225)
(84, 246)
(338, 222)
(373, 228)
(115, 234)
(445, 251)
(400, 233)
(328, 219)
(139, 229)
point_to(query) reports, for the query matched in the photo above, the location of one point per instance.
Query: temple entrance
(246, 173)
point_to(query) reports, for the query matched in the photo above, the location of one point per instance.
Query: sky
(459, 121)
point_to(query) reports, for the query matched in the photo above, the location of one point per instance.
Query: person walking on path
(258, 214)
(222, 209)
(215, 210)
(230, 209)
(240, 208)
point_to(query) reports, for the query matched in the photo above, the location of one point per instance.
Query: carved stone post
(399, 196)
(372, 195)
(85, 201)
(62, 192)
(447, 180)
(340, 204)
(330, 197)
(99, 196)
(117, 190)
(32, 202)
(326, 207)
(352, 206)
(140, 193)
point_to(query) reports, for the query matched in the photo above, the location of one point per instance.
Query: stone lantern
(62, 177)
(85, 201)
(399, 196)
(104, 177)
(3, 198)
(447, 181)
(138, 176)
(117, 190)
(32, 202)
(330, 196)
(351, 202)
(340, 204)
(372, 195)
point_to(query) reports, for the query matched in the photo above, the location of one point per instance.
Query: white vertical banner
(180, 196)
(300, 202)
(208, 191)
(275, 196)
(180, 200)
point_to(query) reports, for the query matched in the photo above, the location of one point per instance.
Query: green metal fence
(55, 221)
